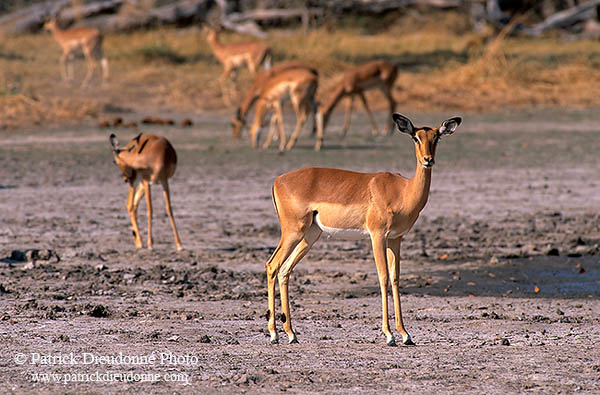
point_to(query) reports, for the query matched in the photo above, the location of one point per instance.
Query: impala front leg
(393, 256)
(135, 198)
(348, 115)
(313, 234)
(63, 66)
(167, 196)
(284, 249)
(369, 113)
(379, 252)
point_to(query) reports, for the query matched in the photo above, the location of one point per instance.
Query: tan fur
(380, 206)
(257, 88)
(301, 86)
(252, 54)
(144, 160)
(378, 74)
(88, 39)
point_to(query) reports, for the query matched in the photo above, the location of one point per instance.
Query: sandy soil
(500, 275)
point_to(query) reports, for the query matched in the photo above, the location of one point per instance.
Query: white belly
(341, 234)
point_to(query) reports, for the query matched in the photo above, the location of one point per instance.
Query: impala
(257, 88)
(342, 204)
(146, 159)
(378, 74)
(232, 56)
(89, 39)
(301, 86)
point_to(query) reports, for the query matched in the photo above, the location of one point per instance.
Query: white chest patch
(342, 234)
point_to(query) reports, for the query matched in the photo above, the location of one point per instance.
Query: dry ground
(500, 276)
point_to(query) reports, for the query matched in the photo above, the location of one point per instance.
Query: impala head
(426, 138)
(211, 32)
(127, 172)
(50, 24)
(237, 123)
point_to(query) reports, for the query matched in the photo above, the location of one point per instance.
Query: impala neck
(419, 187)
(213, 41)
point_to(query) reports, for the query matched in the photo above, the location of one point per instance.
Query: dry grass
(173, 70)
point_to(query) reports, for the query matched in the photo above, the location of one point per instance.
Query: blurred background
(452, 55)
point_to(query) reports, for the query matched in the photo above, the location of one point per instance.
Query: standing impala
(257, 88)
(89, 39)
(145, 159)
(378, 74)
(300, 85)
(232, 56)
(351, 206)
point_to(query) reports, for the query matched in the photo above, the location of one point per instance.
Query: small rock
(551, 251)
(99, 311)
(505, 342)
(204, 339)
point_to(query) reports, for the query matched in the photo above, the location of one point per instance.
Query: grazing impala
(145, 159)
(300, 85)
(258, 85)
(232, 56)
(89, 39)
(378, 74)
(348, 205)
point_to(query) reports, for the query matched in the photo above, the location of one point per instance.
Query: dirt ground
(500, 275)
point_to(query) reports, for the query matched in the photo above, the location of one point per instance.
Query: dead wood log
(30, 19)
(566, 18)
(71, 14)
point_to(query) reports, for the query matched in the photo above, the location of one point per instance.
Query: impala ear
(403, 124)
(114, 142)
(449, 126)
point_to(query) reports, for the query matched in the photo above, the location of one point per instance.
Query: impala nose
(428, 161)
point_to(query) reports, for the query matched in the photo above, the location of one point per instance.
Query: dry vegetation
(442, 67)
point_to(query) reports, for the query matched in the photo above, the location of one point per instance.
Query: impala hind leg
(167, 196)
(379, 252)
(313, 234)
(392, 108)
(393, 256)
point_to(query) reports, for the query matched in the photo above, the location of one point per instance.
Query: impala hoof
(293, 340)
(391, 341)
(408, 342)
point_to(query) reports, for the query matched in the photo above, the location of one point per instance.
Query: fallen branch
(565, 18)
